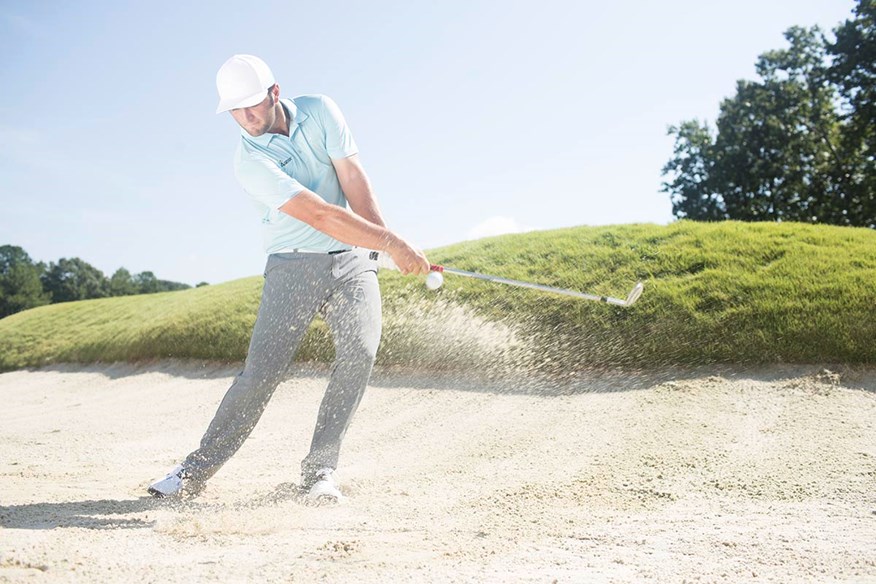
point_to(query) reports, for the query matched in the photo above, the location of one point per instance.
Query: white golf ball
(434, 280)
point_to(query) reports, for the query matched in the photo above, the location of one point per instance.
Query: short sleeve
(338, 137)
(263, 180)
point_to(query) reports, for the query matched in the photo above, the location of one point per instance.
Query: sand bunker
(764, 475)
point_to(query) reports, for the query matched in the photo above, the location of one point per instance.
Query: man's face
(257, 119)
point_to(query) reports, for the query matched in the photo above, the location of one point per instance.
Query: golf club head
(634, 294)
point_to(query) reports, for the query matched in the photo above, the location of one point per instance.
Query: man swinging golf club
(297, 161)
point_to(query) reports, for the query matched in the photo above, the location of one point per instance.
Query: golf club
(384, 261)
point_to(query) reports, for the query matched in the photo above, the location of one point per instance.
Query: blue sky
(472, 118)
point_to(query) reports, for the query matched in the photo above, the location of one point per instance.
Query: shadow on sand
(116, 513)
(91, 514)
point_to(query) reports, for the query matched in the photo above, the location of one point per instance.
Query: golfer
(297, 161)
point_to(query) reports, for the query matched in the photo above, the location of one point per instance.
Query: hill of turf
(725, 292)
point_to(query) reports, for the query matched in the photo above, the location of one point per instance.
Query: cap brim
(236, 102)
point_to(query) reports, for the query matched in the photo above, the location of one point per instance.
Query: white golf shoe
(176, 483)
(325, 489)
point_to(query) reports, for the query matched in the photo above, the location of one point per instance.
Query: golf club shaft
(384, 260)
(521, 284)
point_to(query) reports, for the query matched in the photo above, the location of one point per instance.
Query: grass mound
(725, 292)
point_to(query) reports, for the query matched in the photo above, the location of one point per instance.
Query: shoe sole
(158, 494)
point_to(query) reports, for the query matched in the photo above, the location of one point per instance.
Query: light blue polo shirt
(273, 168)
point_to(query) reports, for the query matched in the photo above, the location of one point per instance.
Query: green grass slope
(725, 292)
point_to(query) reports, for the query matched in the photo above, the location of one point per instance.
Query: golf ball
(434, 280)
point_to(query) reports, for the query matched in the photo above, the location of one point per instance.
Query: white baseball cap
(242, 81)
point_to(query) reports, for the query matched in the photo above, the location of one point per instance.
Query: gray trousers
(343, 288)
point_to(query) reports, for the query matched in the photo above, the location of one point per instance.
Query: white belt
(299, 250)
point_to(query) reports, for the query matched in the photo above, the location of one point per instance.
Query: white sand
(765, 475)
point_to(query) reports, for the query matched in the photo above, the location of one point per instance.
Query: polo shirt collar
(295, 115)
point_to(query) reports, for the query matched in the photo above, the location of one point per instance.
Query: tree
(74, 279)
(691, 191)
(122, 283)
(20, 286)
(146, 283)
(24, 284)
(854, 72)
(780, 149)
(777, 139)
(168, 286)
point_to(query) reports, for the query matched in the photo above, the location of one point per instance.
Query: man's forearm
(339, 223)
(355, 229)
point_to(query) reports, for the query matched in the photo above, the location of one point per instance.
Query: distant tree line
(26, 284)
(797, 145)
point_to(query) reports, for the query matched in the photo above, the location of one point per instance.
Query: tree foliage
(854, 73)
(20, 286)
(25, 284)
(74, 279)
(122, 284)
(797, 145)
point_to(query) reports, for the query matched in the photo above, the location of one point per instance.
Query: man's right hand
(408, 259)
